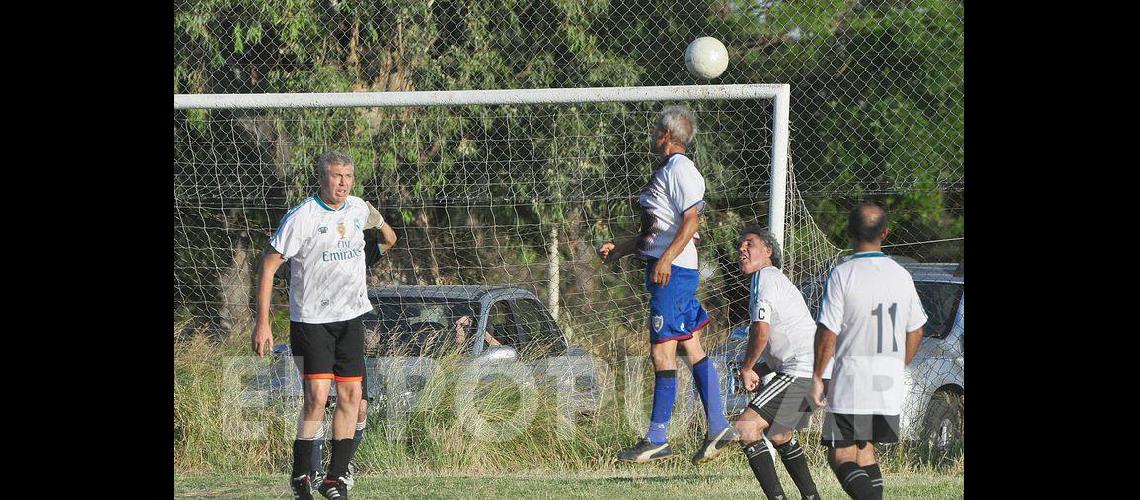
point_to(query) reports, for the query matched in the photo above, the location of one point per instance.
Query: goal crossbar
(779, 93)
(479, 97)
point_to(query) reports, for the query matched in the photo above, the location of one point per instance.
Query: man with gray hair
(782, 330)
(670, 203)
(323, 238)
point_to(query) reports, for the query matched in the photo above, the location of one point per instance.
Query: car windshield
(415, 326)
(940, 300)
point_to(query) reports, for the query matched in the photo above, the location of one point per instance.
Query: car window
(414, 326)
(541, 335)
(502, 325)
(940, 301)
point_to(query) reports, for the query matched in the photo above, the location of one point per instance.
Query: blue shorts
(674, 311)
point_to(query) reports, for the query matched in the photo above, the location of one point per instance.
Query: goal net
(507, 187)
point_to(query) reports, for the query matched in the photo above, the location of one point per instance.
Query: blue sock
(705, 378)
(664, 395)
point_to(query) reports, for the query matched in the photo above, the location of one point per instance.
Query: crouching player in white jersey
(869, 302)
(782, 328)
(323, 238)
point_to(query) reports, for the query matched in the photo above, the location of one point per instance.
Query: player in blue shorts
(670, 203)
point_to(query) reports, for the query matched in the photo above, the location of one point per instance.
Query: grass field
(439, 457)
(628, 483)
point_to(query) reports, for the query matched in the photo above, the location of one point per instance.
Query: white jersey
(325, 250)
(675, 187)
(775, 300)
(871, 303)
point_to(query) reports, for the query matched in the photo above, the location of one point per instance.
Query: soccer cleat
(334, 489)
(348, 480)
(712, 448)
(645, 451)
(302, 488)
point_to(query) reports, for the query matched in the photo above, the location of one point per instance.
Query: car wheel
(942, 428)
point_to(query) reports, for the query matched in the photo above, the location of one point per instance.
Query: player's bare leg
(664, 355)
(313, 410)
(347, 409)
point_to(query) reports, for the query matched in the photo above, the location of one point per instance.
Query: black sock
(855, 481)
(792, 454)
(760, 460)
(356, 438)
(876, 476)
(302, 457)
(340, 451)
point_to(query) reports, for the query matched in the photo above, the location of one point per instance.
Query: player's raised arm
(271, 260)
(387, 235)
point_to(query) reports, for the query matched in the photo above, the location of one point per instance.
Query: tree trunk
(236, 282)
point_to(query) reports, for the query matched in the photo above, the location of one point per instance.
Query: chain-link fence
(479, 194)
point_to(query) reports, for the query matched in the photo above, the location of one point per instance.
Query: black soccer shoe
(348, 480)
(645, 451)
(334, 489)
(712, 448)
(302, 488)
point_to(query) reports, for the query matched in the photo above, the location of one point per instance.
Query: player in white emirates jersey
(870, 319)
(670, 203)
(323, 240)
(378, 239)
(782, 330)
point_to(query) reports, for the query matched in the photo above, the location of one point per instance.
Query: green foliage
(877, 112)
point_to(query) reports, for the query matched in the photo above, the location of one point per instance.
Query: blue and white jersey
(675, 187)
(773, 299)
(871, 303)
(325, 250)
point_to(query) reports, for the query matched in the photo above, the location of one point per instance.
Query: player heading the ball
(670, 203)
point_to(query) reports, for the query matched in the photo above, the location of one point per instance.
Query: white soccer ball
(706, 57)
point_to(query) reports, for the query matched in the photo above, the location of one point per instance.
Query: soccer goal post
(480, 184)
(780, 94)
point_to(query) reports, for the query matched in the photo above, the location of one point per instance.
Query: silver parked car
(935, 382)
(411, 327)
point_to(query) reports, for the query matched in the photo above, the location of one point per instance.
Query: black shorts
(843, 430)
(329, 350)
(784, 402)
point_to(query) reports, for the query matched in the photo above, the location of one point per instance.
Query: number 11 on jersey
(878, 313)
